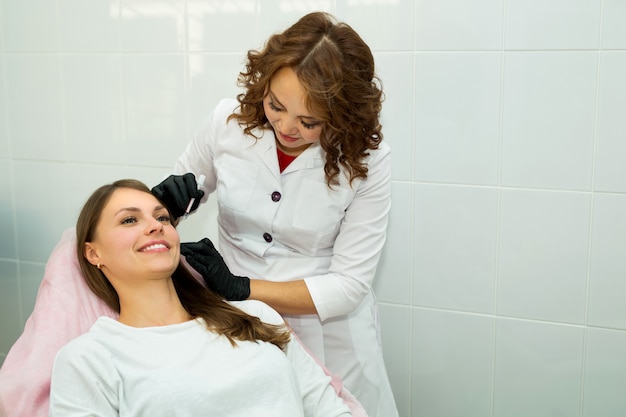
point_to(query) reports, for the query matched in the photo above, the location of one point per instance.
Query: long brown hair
(220, 316)
(336, 69)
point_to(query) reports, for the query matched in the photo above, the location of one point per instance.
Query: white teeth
(156, 246)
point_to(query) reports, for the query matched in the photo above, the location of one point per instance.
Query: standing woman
(302, 181)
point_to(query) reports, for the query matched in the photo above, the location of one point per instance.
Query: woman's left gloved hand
(207, 261)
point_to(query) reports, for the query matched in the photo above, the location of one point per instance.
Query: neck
(290, 151)
(151, 305)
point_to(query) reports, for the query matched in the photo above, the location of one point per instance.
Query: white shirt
(186, 370)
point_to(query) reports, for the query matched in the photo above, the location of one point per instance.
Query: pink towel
(65, 308)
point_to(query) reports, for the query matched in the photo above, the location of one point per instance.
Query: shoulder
(383, 152)
(81, 346)
(379, 161)
(226, 107)
(384, 147)
(378, 166)
(224, 127)
(85, 371)
(92, 339)
(84, 352)
(261, 310)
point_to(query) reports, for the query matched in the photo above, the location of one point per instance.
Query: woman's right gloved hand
(176, 191)
(207, 261)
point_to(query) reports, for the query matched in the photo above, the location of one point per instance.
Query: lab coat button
(276, 196)
(267, 237)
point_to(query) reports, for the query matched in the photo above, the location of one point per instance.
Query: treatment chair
(64, 309)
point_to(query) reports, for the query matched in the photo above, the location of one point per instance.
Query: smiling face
(134, 238)
(285, 108)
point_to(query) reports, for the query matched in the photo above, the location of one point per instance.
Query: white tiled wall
(502, 283)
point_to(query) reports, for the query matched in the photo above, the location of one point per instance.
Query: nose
(154, 226)
(289, 126)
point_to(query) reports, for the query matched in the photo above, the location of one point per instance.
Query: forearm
(291, 297)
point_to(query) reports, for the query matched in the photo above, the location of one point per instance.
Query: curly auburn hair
(336, 68)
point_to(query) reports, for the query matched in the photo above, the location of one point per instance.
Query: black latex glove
(176, 191)
(207, 261)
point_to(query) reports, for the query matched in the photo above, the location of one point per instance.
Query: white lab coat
(289, 226)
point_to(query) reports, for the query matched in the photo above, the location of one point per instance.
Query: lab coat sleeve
(84, 382)
(358, 245)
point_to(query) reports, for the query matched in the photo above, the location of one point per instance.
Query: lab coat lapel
(311, 157)
(265, 150)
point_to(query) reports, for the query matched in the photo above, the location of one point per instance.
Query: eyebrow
(135, 209)
(274, 98)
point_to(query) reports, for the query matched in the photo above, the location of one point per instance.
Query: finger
(203, 247)
(208, 243)
(196, 264)
(189, 249)
(189, 184)
(179, 193)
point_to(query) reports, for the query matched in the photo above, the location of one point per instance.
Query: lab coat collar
(265, 149)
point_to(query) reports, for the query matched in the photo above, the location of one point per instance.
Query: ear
(91, 254)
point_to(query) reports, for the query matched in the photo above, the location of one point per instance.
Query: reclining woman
(177, 348)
